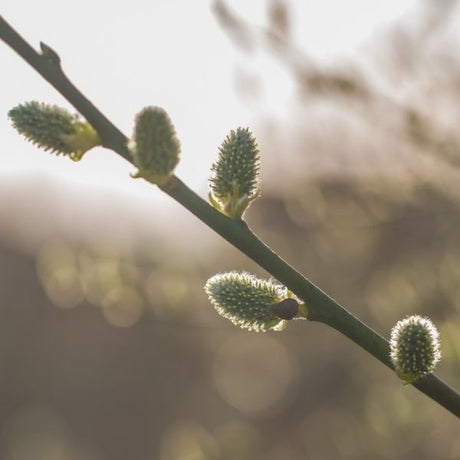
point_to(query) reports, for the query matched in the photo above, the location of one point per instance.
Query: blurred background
(109, 348)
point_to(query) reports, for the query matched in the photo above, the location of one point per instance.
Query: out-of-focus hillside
(123, 356)
(113, 352)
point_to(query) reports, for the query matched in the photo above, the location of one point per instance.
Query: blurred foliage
(180, 382)
(135, 363)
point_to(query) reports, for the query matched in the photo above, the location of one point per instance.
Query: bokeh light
(188, 440)
(122, 307)
(253, 373)
(36, 432)
(58, 270)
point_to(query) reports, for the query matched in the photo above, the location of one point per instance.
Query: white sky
(172, 53)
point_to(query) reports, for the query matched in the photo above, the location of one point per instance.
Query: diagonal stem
(321, 307)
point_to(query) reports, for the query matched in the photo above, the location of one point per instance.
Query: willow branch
(321, 307)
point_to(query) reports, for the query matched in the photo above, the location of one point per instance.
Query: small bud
(286, 309)
(155, 146)
(53, 128)
(414, 347)
(235, 180)
(246, 300)
(50, 54)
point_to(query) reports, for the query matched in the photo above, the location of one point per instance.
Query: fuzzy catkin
(156, 148)
(244, 299)
(238, 163)
(235, 177)
(414, 347)
(53, 128)
(44, 125)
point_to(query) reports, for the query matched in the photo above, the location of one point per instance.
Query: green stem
(321, 307)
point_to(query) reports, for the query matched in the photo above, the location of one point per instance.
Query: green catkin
(245, 300)
(414, 347)
(235, 175)
(155, 146)
(54, 129)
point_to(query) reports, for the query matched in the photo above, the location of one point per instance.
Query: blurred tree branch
(408, 53)
(321, 307)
